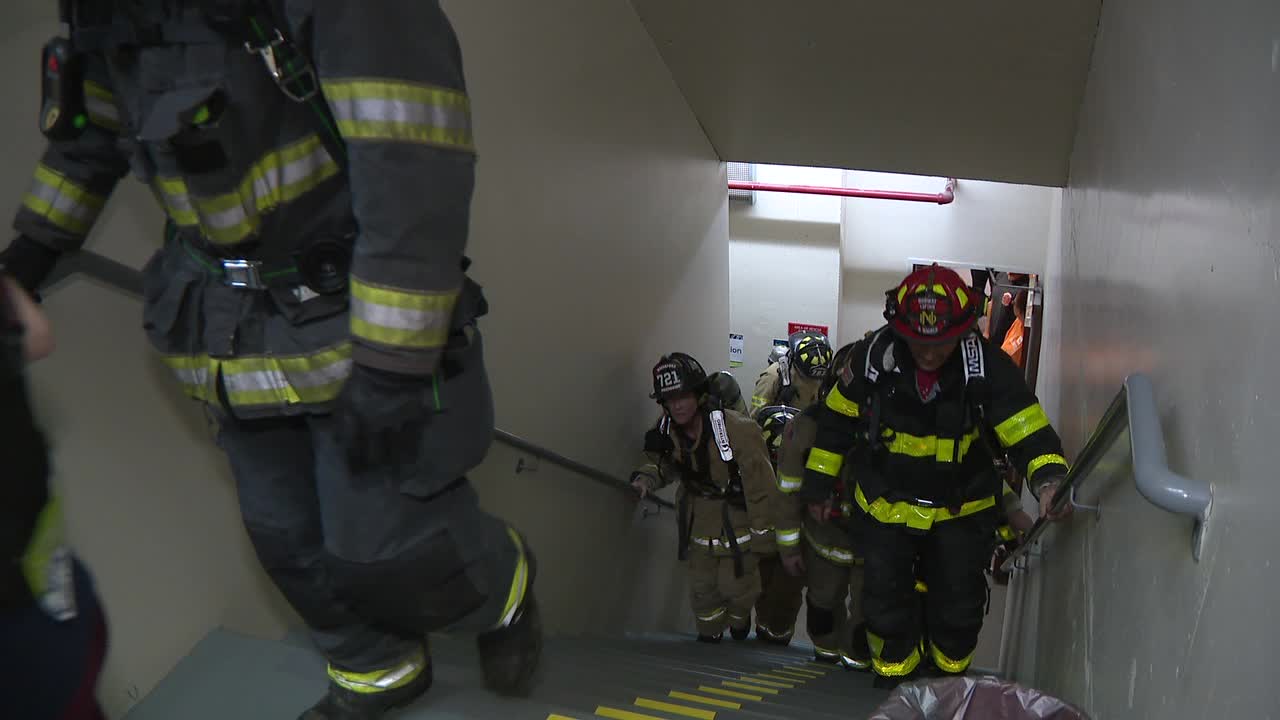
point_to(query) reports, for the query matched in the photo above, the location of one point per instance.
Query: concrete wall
(600, 233)
(784, 262)
(1171, 266)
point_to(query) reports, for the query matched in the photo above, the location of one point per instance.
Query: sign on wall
(793, 328)
(736, 350)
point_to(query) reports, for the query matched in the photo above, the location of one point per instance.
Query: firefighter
(920, 408)
(312, 293)
(728, 500)
(793, 379)
(781, 570)
(48, 607)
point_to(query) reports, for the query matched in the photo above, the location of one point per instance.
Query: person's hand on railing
(642, 483)
(1048, 497)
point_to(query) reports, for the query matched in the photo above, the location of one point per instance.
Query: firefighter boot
(342, 703)
(509, 655)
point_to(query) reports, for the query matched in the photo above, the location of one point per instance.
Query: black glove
(381, 417)
(657, 441)
(29, 262)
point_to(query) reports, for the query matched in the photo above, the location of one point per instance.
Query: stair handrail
(1134, 406)
(129, 280)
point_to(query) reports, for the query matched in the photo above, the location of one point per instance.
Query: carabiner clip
(287, 78)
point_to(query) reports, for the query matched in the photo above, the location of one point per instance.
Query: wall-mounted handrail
(1135, 407)
(129, 280)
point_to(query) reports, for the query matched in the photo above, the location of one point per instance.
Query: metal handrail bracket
(1135, 407)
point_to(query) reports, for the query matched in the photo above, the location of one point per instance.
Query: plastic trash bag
(973, 698)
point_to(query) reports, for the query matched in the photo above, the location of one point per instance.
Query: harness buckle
(242, 274)
(283, 73)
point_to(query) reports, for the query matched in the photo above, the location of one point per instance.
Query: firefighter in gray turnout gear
(311, 291)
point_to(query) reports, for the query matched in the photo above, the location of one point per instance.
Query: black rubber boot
(343, 704)
(711, 639)
(740, 633)
(509, 655)
(859, 655)
(764, 635)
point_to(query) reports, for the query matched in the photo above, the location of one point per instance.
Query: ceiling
(984, 90)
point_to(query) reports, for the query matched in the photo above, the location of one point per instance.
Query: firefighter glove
(382, 417)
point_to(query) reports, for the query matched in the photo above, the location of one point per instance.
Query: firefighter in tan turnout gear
(311, 291)
(728, 499)
(796, 376)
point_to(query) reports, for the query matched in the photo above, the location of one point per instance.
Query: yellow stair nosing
(748, 686)
(730, 693)
(690, 697)
(675, 709)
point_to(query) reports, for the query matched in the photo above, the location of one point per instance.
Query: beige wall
(1170, 265)
(600, 234)
(784, 262)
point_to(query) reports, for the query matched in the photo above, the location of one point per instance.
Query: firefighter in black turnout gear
(919, 409)
(728, 500)
(315, 162)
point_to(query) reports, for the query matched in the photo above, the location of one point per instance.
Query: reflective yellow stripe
(729, 693)
(758, 402)
(1043, 460)
(266, 381)
(1006, 533)
(381, 680)
(841, 404)
(690, 697)
(916, 516)
(616, 714)
(789, 483)
(780, 678)
(806, 671)
(46, 538)
(712, 616)
(946, 664)
(519, 582)
(675, 709)
(922, 587)
(795, 675)
(278, 177)
(1018, 427)
(379, 109)
(400, 318)
(788, 538)
(941, 449)
(58, 199)
(100, 105)
(854, 663)
(839, 556)
(747, 686)
(766, 683)
(890, 669)
(825, 462)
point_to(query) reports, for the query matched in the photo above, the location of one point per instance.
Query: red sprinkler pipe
(945, 197)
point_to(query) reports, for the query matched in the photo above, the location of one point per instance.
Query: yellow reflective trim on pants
(788, 538)
(839, 556)
(841, 404)
(277, 178)
(1044, 460)
(712, 616)
(789, 483)
(314, 378)
(890, 669)
(916, 516)
(58, 199)
(519, 582)
(947, 664)
(400, 318)
(825, 462)
(381, 680)
(674, 709)
(100, 105)
(941, 449)
(46, 538)
(1021, 425)
(922, 587)
(382, 109)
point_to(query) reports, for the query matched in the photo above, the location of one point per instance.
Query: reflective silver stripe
(787, 484)
(839, 556)
(383, 109)
(766, 531)
(398, 318)
(720, 542)
(191, 376)
(826, 653)
(101, 109)
(267, 183)
(274, 378)
(384, 681)
(401, 111)
(61, 201)
(788, 537)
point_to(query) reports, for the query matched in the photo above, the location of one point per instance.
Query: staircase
(233, 677)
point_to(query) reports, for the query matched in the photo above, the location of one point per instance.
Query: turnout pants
(781, 596)
(834, 598)
(718, 598)
(952, 556)
(370, 568)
